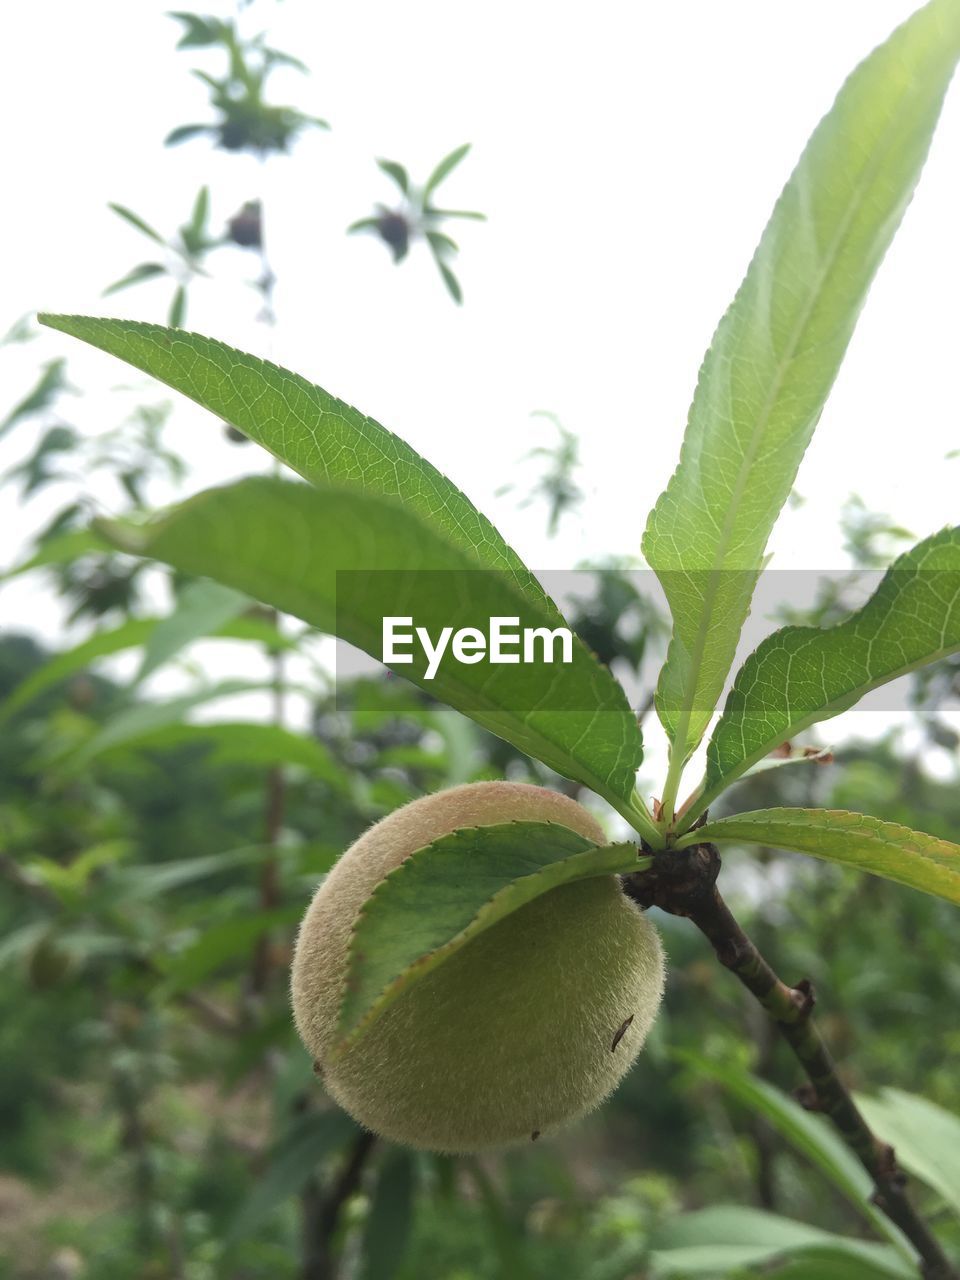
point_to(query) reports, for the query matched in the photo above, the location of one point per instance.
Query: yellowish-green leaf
(850, 839)
(776, 353)
(801, 675)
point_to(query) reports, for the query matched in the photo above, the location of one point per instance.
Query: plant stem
(684, 884)
(321, 1212)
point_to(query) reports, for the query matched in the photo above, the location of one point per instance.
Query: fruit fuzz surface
(515, 1034)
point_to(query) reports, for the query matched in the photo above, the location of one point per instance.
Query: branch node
(808, 1097)
(804, 997)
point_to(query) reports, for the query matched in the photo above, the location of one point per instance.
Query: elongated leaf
(41, 396)
(850, 839)
(926, 1138)
(725, 1238)
(201, 608)
(830, 1264)
(801, 675)
(178, 307)
(136, 221)
(100, 645)
(247, 743)
(62, 549)
(777, 350)
(810, 1135)
(445, 894)
(149, 881)
(397, 172)
(311, 553)
(221, 943)
(310, 1141)
(145, 271)
(135, 722)
(387, 1229)
(443, 169)
(322, 438)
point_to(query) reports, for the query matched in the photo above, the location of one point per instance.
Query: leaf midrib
(760, 426)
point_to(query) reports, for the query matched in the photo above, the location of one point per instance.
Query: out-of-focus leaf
(178, 308)
(136, 721)
(201, 608)
(397, 172)
(389, 1223)
(184, 132)
(51, 383)
(149, 881)
(145, 271)
(443, 169)
(136, 221)
(60, 549)
(451, 281)
(218, 945)
(925, 1136)
(198, 217)
(723, 1240)
(447, 893)
(251, 744)
(850, 839)
(810, 1135)
(310, 1141)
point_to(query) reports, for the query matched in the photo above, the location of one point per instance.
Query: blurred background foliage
(160, 1119)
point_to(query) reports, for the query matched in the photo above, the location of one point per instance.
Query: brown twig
(321, 1211)
(684, 884)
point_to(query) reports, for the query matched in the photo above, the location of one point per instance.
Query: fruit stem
(684, 884)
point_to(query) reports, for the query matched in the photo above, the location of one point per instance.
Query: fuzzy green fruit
(518, 1032)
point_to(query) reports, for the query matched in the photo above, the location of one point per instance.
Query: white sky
(627, 161)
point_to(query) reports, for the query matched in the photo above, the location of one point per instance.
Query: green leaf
(145, 271)
(247, 743)
(201, 608)
(809, 1134)
(198, 217)
(220, 944)
(310, 1141)
(178, 308)
(470, 214)
(443, 169)
(850, 839)
(151, 880)
(777, 350)
(322, 438)
(49, 385)
(397, 172)
(725, 1238)
(451, 281)
(440, 243)
(825, 1263)
(101, 644)
(310, 554)
(801, 675)
(136, 221)
(135, 722)
(447, 893)
(62, 549)
(388, 1225)
(926, 1138)
(184, 132)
